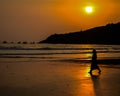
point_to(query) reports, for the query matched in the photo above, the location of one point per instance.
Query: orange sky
(34, 20)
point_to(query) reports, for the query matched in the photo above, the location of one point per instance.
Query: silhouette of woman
(94, 62)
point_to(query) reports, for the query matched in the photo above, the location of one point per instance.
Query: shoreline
(38, 59)
(103, 61)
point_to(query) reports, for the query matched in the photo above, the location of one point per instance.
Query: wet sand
(57, 79)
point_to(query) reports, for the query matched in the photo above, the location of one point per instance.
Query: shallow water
(57, 51)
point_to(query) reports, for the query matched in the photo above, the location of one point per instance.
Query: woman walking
(94, 62)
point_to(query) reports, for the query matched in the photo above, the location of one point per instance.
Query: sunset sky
(34, 20)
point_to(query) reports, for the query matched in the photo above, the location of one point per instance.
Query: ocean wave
(50, 48)
(52, 53)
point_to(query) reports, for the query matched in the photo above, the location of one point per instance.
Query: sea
(56, 52)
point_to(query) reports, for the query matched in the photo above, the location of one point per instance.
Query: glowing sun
(88, 9)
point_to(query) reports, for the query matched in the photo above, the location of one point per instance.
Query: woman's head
(94, 51)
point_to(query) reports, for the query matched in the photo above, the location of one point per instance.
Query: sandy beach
(47, 78)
